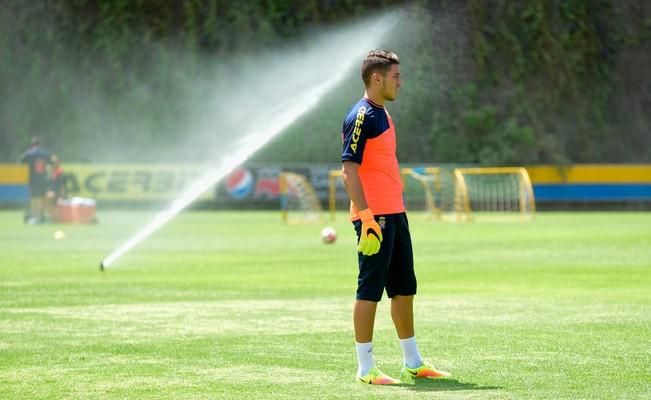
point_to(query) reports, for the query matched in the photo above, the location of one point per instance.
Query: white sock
(410, 352)
(365, 359)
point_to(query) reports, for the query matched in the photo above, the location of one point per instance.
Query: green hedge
(488, 82)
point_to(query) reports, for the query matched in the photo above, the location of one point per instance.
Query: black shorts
(392, 268)
(37, 187)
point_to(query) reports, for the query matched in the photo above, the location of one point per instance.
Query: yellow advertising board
(591, 173)
(132, 181)
(12, 174)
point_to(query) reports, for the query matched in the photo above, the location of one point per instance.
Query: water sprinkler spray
(268, 123)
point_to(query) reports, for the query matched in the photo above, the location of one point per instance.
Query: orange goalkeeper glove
(371, 236)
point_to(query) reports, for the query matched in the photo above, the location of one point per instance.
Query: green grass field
(238, 306)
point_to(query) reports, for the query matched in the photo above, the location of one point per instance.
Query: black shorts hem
(392, 295)
(365, 298)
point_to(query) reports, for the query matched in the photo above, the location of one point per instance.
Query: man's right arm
(353, 184)
(370, 232)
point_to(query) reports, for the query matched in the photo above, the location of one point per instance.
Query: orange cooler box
(76, 211)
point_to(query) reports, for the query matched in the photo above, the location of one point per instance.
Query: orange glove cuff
(366, 215)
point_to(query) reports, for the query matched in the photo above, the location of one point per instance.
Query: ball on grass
(328, 235)
(58, 235)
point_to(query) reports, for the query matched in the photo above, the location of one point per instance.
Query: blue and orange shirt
(38, 159)
(369, 139)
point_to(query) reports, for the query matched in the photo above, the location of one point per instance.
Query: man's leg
(364, 320)
(403, 318)
(401, 283)
(370, 286)
(50, 202)
(402, 313)
(40, 208)
(401, 288)
(36, 209)
(33, 208)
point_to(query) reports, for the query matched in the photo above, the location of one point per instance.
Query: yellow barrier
(12, 174)
(591, 173)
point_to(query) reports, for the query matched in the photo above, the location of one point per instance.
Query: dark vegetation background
(488, 82)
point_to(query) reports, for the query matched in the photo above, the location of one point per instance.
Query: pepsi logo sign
(239, 183)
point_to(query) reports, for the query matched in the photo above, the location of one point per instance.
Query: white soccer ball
(58, 235)
(328, 234)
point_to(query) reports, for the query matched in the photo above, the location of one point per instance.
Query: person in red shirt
(372, 179)
(57, 188)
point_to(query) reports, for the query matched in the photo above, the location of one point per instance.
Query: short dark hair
(35, 141)
(377, 61)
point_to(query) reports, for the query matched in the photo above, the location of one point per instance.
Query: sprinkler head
(101, 266)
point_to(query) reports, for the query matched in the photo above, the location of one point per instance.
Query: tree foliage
(488, 82)
(546, 84)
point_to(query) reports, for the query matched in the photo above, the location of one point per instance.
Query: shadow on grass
(446, 385)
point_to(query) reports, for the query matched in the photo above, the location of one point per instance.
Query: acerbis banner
(130, 181)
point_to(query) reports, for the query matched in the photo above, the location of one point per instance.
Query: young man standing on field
(372, 179)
